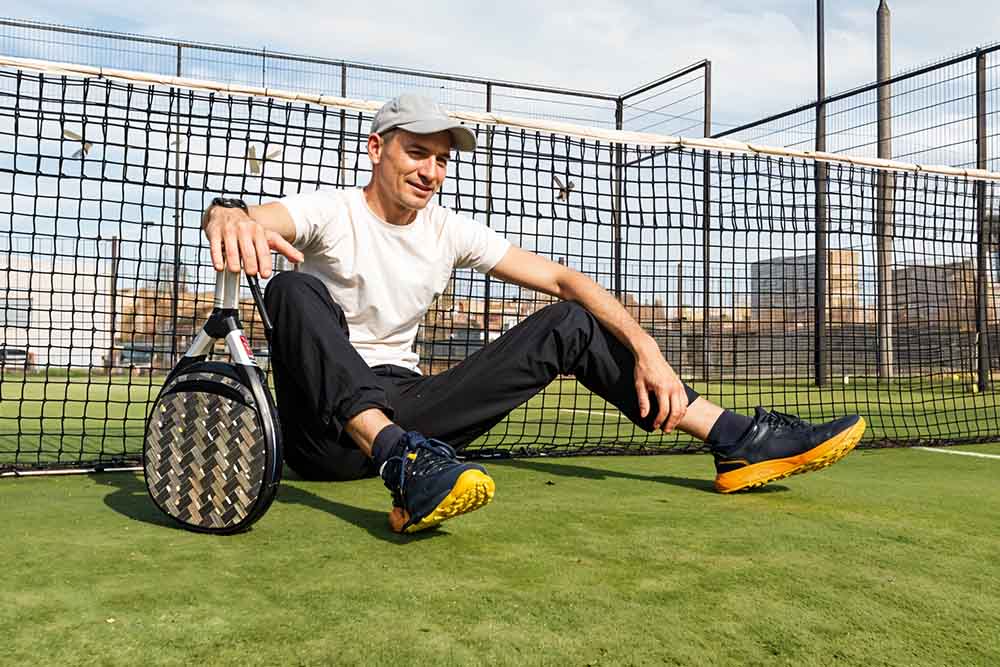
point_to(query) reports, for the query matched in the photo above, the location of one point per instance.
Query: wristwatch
(228, 202)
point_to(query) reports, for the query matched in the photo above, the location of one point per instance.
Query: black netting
(106, 274)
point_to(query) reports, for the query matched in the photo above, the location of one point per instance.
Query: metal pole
(884, 205)
(616, 205)
(489, 209)
(114, 302)
(822, 271)
(177, 227)
(342, 153)
(706, 229)
(985, 232)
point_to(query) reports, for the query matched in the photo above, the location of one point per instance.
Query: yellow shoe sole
(472, 490)
(765, 472)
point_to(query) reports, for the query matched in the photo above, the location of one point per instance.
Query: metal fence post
(616, 206)
(820, 265)
(489, 211)
(985, 233)
(177, 225)
(706, 230)
(114, 303)
(885, 207)
(341, 152)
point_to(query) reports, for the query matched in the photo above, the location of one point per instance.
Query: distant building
(783, 289)
(941, 293)
(56, 308)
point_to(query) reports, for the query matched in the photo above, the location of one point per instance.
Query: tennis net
(811, 283)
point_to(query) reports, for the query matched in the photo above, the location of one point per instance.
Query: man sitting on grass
(350, 396)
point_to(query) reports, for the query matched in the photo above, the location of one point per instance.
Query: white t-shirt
(386, 276)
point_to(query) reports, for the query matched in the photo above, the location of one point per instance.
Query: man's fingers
(263, 255)
(663, 399)
(678, 408)
(215, 247)
(232, 247)
(279, 244)
(640, 392)
(248, 252)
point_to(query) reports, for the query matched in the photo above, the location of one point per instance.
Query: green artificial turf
(888, 558)
(46, 420)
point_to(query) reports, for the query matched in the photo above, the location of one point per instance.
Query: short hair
(388, 134)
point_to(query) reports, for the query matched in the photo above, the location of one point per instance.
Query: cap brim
(462, 138)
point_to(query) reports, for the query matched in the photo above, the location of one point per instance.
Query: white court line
(616, 415)
(958, 452)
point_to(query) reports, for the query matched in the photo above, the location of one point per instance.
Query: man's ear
(375, 148)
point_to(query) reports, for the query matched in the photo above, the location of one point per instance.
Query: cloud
(763, 54)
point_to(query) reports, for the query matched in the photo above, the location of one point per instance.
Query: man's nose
(427, 168)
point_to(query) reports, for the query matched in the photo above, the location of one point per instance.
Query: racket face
(208, 461)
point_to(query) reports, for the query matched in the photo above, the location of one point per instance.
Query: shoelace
(783, 419)
(443, 455)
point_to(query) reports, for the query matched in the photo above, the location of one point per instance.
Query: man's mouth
(422, 189)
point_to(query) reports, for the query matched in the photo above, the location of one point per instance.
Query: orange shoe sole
(765, 472)
(472, 490)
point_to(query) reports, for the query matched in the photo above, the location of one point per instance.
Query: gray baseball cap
(420, 115)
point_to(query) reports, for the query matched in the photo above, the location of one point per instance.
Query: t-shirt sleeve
(311, 212)
(477, 246)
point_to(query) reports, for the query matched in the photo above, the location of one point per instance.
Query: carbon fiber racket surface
(207, 459)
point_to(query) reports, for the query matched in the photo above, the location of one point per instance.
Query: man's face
(410, 168)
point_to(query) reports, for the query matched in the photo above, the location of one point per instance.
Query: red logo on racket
(246, 346)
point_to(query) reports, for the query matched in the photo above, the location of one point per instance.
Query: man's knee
(569, 316)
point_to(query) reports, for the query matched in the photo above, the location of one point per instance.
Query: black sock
(729, 427)
(385, 444)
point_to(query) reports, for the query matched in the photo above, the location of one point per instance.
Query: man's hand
(653, 375)
(235, 237)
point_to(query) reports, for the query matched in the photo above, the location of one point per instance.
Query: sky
(763, 53)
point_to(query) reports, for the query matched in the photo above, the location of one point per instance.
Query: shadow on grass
(129, 498)
(587, 472)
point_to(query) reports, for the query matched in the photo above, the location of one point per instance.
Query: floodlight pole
(820, 265)
(886, 197)
(985, 233)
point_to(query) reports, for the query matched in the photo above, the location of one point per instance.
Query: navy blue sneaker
(779, 445)
(429, 485)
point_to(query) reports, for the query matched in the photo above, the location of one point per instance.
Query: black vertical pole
(342, 153)
(985, 232)
(177, 223)
(706, 229)
(489, 208)
(821, 269)
(114, 302)
(616, 207)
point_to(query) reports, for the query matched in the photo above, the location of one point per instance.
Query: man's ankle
(728, 429)
(386, 443)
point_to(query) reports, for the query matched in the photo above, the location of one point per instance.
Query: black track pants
(321, 382)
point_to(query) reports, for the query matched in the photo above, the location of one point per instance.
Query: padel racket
(212, 451)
